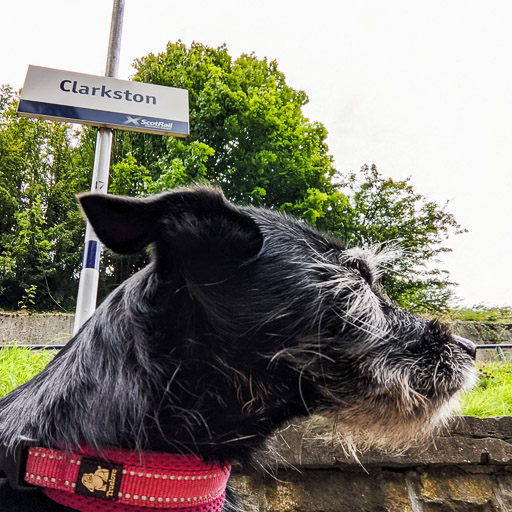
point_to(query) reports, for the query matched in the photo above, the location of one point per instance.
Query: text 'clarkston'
(103, 92)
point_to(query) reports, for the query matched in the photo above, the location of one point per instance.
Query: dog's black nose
(467, 345)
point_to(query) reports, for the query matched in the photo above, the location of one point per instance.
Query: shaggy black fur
(244, 320)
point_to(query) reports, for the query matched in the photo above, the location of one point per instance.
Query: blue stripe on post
(92, 253)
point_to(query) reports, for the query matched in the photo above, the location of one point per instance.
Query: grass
(17, 365)
(492, 396)
(482, 314)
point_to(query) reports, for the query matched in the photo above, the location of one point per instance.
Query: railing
(58, 347)
(494, 345)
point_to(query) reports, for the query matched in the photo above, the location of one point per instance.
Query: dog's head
(244, 319)
(270, 319)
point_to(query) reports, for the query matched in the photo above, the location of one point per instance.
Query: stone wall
(36, 329)
(42, 329)
(486, 332)
(466, 469)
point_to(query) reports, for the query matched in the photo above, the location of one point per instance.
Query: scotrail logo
(140, 121)
(132, 120)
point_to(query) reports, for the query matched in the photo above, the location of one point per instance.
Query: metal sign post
(109, 103)
(89, 276)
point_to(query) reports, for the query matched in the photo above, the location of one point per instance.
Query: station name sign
(104, 101)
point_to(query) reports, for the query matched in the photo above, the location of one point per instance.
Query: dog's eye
(363, 268)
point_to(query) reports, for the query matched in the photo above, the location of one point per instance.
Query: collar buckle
(13, 464)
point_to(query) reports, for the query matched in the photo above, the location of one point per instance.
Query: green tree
(40, 225)
(248, 132)
(373, 210)
(249, 136)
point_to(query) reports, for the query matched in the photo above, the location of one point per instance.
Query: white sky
(421, 89)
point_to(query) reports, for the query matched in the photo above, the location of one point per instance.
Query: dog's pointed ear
(189, 223)
(123, 224)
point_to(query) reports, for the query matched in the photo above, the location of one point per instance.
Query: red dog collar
(127, 481)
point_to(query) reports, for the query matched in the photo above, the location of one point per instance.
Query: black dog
(244, 320)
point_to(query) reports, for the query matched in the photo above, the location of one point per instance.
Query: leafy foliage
(40, 226)
(249, 136)
(373, 210)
